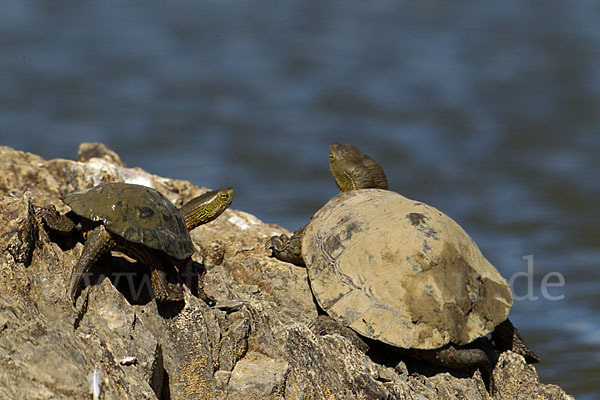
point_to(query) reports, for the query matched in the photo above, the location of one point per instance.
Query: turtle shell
(401, 272)
(136, 213)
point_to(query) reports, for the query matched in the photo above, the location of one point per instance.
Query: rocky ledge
(253, 344)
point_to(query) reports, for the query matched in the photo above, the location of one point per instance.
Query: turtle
(400, 273)
(138, 221)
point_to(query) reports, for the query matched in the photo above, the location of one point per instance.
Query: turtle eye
(330, 156)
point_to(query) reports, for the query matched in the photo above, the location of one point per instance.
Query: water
(488, 111)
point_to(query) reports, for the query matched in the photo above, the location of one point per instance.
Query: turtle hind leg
(457, 358)
(54, 220)
(288, 249)
(507, 337)
(462, 358)
(98, 242)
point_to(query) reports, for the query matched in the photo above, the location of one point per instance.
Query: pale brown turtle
(138, 221)
(400, 272)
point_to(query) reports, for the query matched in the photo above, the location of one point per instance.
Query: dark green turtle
(138, 221)
(400, 272)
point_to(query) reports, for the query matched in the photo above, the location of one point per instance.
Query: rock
(516, 380)
(87, 151)
(257, 375)
(255, 343)
(17, 236)
(44, 358)
(111, 319)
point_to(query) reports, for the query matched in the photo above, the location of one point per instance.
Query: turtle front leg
(54, 220)
(288, 249)
(163, 290)
(507, 337)
(98, 241)
(193, 277)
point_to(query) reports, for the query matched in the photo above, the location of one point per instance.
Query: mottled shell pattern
(137, 213)
(401, 272)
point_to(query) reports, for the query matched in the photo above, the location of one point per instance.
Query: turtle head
(352, 169)
(207, 207)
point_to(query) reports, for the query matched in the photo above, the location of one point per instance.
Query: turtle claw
(40, 211)
(175, 292)
(205, 297)
(168, 292)
(288, 249)
(276, 243)
(47, 213)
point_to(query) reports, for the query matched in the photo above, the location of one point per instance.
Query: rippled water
(488, 111)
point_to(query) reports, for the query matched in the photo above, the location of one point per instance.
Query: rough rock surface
(254, 344)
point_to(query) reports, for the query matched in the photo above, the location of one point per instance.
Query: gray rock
(254, 344)
(87, 151)
(18, 233)
(516, 380)
(257, 376)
